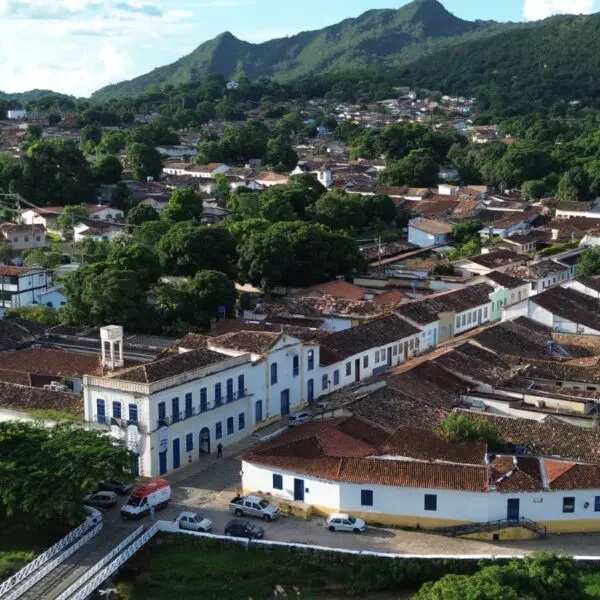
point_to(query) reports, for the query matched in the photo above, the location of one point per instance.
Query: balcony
(236, 396)
(120, 423)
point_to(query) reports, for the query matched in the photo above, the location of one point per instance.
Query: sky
(78, 46)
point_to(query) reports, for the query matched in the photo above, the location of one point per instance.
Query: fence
(41, 563)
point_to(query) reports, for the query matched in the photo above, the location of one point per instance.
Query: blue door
(176, 455)
(512, 509)
(299, 490)
(389, 357)
(135, 466)
(162, 463)
(285, 403)
(101, 410)
(311, 390)
(258, 416)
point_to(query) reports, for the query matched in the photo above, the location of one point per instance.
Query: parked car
(343, 522)
(244, 529)
(194, 522)
(112, 485)
(298, 418)
(101, 499)
(155, 494)
(253, 506)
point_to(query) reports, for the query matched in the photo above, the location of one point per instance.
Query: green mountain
(30, 96)
(377, 38)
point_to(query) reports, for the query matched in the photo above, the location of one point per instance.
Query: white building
(24, 237)
(177, 151)
(428, 232)
(209, 171)
(16, 114)
(414, 478)
(21, 286)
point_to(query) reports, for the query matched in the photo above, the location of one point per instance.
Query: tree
(308, 190)
(209, 152)
(534, 188)
(589, 262)
(458, 427)
(340, 210)
(67, 460)
(188, 247)
(97, 294)
(574, 185)
(144, 161)
(280, 155)
(150, 232)
(54, 119)
(7, 253)
(184, 205)
(295, 253)
(108, 169)
(70, 216)
(112, 142)
(223, 192)
(45, 258)
(89, 251)
(137, 258)
(418, 169)
(90, 137)
(467, 230)
(35, 312)
(244, 204)
(121, 198)
(243, 142)
(142, 213)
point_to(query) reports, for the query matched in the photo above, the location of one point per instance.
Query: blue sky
(77, 46)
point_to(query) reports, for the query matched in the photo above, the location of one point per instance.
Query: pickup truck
(253, 506)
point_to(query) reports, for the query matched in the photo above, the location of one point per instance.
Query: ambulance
(155, 494)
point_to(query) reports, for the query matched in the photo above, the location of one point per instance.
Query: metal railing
(100, 565)
(101, 576)
(465, 529)
(50, 566)
(43, 558)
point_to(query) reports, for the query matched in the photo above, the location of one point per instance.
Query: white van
(155, 494)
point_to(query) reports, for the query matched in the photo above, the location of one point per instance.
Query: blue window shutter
(277, 481)
(366, 497)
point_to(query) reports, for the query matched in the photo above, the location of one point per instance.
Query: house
(428, 232)
(270, 178)
(543, 274)
(97, 231)
(321, 172)
(48, 215)
(355, 354)
(54, 297)
(590, 286)
(16, 114)
(176, 408)
(565, 310)
(336, 289)
(494, 260)
(23, 237)
(586, 210)
(442, 316)
(21, 286)
(413, 477)
(509, 290)
(209, 171)
(505, 224)
(177, 151)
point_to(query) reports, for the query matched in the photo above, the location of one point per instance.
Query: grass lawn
(18, 545)
(178, 567)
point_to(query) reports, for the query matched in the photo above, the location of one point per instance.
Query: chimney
(111, 336)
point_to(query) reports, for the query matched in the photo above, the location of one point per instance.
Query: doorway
(162, 463)
(204, 441)
(176, 454)
(357, 370)
(512, 509)
(389, 357)
(258, 411)
(285, 403)
(299, 490)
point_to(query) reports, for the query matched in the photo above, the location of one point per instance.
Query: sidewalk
(230, 452)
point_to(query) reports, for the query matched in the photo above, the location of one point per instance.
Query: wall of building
(557, 323)
(423, 239)
(472, 318)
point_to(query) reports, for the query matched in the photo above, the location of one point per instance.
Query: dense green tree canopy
(184, 205)
(108, 169)
(145, 161)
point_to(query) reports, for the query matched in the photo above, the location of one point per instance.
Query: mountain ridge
(377, 37)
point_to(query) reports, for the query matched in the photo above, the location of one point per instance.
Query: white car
(299, 418)
(194, 522)
(343, 522)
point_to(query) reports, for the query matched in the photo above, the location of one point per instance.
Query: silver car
(194, 522)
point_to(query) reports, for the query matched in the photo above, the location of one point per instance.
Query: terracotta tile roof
(163, 368)
(372, 253)
(51, 362)
(432, 226)
(498, 258)
(516, 474)
(577, 477)
(505, 280)
(16, 377)
(256, 342)
(327, 305)
(422, 444)
(553, 371)
(547, 439)
(192, 341)
(378, 332)
(426, 310)
(571, 305)
(11, 271)
(590, 282)
(339, 289)
(18, 332)
(391, 297)
(555, 469)
(21, 398)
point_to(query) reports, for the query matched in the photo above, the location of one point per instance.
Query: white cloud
(533, 10)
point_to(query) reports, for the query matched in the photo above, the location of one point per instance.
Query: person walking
(219, 450)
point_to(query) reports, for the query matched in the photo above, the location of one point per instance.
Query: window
(366, 497)
(430, 502)
(411, 345)
(469, 318)
(230, 390)
(189, 442)
(311, 360)
(376, 356)
(26, 238)
(37, 238)
(273, 373)
(218, 430)
(569, 504)
(241, 421)
(348, 369)
(597, 504)
(395, 349)
(277, 481)
(230, 428)
(485, 312)
(457, 322)
(133, 413)
(336, 377)
(296, 365)
(189, 411)
(203, 400)
(241, 386)
(324, 382)
(101, 410)
(175, 406)
(162, 410)
(116, 406)
(463, 320)
(218, 397)
(365, 362)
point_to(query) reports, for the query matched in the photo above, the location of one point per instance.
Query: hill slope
(380, 38)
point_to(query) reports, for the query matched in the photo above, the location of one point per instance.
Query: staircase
(488, 526)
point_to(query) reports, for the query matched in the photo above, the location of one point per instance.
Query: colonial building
(21, 286)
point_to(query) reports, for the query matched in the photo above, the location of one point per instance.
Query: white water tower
(111, 336)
